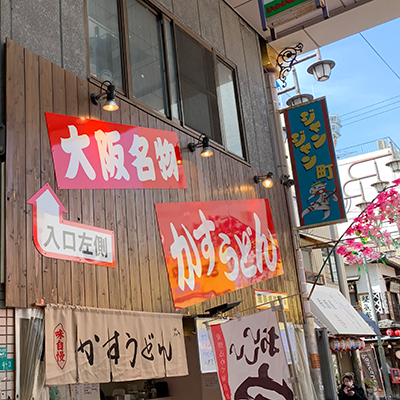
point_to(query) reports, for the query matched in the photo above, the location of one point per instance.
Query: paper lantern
(348, 345)
(389, 332)
(352, 343)
(334, 344)
(397, 333)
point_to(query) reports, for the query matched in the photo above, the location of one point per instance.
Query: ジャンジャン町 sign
(92, 154)
(216, 247)
(88, 345)
(55, 237)
(318, 191)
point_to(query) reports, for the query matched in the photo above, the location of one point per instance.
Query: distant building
(336, 125)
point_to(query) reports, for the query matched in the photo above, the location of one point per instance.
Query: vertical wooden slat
(121, 214)
(152, 197)
(16, 285)
(34, 270)
(145, 274)
(75, 200)
(87, 202)
(165, 289)
(132, 233)
(50, 283)
(99, 219)
(111, 224)
(63, 267)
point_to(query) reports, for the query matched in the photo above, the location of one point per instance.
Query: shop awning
(372, 324)
(336, 313)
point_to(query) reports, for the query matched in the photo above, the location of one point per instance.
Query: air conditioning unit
(382, 144)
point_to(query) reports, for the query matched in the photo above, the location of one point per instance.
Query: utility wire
(374, 115)
(372, 47)
(371, 105)
(370, 111)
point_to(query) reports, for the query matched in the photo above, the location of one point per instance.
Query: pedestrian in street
(348, 390)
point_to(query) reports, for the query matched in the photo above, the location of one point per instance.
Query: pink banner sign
(216, 247)
(92, 154)
(251, 359)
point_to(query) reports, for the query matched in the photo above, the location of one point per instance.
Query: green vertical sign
(7, 365)
(3, 352)
(275, 7)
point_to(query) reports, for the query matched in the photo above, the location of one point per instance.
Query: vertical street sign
(318, 190)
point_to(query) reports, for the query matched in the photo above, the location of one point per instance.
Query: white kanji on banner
(251, 359)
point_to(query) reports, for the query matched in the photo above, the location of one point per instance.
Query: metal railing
(367, 147)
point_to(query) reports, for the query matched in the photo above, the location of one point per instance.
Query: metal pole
(309, 327)
(292, 368)
(381, 352)
(296, 80)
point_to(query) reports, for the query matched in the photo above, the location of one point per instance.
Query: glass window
(228, 109)
(172, 69)
(146, 52)
(333, 274)
(198, 89)
(104, 41)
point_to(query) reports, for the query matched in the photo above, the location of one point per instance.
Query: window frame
(331, 275)
(127, 93)
(233, 68)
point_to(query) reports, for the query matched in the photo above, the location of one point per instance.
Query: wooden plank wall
(140, 281)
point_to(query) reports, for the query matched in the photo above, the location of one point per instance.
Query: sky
(360, 79)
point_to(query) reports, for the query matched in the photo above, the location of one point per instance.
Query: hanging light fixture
(364, 203)
(109, 95)
(379, 185)
(394, 165)
(299, 99)
(204, 142)
(266, 180)
(321, 69)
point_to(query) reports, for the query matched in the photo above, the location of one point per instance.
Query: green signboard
(275, 7)
(7, 365)
(3, 352)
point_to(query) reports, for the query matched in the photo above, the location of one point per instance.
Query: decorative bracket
(286, 59)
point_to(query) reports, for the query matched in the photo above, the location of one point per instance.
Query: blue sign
(7, 365)
(318, 190)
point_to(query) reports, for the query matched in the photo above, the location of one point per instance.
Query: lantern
(342, 345)
(389, 332)
(334, 344)
(348, 345)
(397, 333)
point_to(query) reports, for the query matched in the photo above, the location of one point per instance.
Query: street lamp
(379, 185)
(321, 70)
(299, 99)
(364, 203)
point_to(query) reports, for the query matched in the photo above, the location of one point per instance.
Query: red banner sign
(216, 247)
(91, 154)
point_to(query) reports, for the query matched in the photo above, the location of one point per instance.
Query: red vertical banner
(222, 360)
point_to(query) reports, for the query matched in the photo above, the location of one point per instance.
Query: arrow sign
(56, 238)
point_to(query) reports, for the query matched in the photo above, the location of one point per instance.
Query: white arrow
(56, 238)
